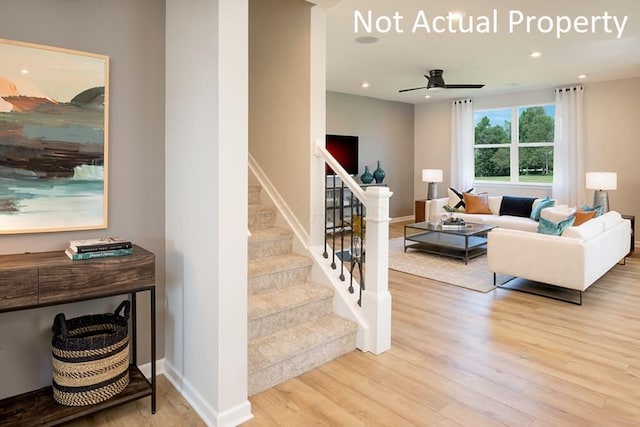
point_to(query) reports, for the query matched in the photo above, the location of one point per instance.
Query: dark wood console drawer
(18, 287)
(96, 277)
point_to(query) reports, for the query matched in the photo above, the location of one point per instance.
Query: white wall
(611, 109)
(206, 209)
(386, 133)
(132, 35)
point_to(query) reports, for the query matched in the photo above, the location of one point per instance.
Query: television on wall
(345, 149)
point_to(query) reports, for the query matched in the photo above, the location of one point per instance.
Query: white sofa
(574, 260)
(434, 210)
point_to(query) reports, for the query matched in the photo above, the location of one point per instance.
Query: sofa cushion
(585, 231)
(583, 216)
(540, 204)
(456, 198)
(476, 203)
(511, 222)
(611, 219)
(557, 213)
(494, 204)
(516, 206)
(554, 228)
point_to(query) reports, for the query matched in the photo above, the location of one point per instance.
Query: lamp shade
(432, 175)
(602, 180)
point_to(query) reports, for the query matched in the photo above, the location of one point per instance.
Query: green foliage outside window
(534, 145)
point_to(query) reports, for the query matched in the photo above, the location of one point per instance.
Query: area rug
(474, 276)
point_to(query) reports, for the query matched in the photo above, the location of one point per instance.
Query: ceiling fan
(436, 82)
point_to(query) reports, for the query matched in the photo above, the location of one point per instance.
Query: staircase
(291, 326)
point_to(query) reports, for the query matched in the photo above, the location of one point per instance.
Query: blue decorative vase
(378, 174)
(366, 177)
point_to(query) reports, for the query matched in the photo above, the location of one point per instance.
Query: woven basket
(90, 357)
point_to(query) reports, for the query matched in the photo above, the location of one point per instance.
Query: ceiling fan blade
(413, 88)
(464, 86)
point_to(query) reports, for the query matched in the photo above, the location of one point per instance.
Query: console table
(33, 280)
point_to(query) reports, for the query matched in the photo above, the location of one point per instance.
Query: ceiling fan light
(435, 88)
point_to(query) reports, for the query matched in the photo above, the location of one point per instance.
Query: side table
(632, 218)
(419, 210)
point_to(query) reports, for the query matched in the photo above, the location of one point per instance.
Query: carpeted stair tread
(254, 194)
(287, 298)
(273, 264)
(303, 337)
(261, 216)
(269, 241)
(260, 209)
(269, 233)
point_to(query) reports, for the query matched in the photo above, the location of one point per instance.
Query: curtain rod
(567, 89)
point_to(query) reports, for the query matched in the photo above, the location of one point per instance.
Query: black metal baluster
(351, 252)
(333, 231)
(342, 230)
(325, 254)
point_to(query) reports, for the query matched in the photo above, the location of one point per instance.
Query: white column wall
(206, 206)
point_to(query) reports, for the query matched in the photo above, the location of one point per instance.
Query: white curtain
(568, 155)
(462, 155)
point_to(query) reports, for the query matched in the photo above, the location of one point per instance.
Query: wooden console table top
(44, 278)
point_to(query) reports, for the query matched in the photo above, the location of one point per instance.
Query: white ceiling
(500, 61)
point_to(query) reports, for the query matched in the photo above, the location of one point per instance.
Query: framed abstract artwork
(54, 106)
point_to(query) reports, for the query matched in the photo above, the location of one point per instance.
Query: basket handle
(127, 307)
(60, 325)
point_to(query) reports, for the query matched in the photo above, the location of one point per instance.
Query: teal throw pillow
(555, 229)
(587, 208)
(546, 202)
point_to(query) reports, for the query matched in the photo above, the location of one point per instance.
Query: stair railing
(366, 227)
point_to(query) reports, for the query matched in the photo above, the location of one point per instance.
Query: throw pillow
(476, 203)
(516, 206)
(546, 202)
(597, 209)
(456, 199)
(554, 228)
(583, 216)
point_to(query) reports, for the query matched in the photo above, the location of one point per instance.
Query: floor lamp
(433, 177)
(600, 182)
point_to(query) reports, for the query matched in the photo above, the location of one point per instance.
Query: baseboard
(229, 418)
(403, 219)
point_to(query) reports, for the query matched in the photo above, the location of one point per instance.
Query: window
(515, 144)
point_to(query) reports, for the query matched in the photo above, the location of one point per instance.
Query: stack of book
(98, 248)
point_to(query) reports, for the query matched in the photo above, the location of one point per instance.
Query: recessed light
(427, 96)
(367, 39)
(535, 54)
(364, 85)
(582, 76)
(24, 71)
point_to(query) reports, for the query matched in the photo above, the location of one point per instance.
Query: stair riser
(266, 325)
(278, 280)
(262, 219)
(300, 363)
(272, 247)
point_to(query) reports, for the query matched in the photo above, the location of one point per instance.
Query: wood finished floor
(463, 358)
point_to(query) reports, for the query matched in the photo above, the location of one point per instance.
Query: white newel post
(376, 299)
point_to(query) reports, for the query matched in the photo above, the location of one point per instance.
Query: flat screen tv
(345, 149)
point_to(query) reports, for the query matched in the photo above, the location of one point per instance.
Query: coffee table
(464, 243)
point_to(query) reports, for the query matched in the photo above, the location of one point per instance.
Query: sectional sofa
(435, 210)
(574, 259)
